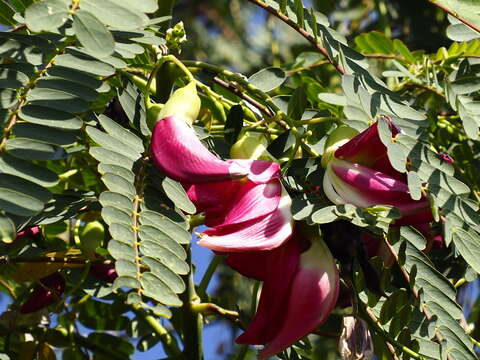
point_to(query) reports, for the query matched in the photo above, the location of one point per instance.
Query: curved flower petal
(177, 151)
(364, 187)
(367, 149)
(263, 233)
(258, 171)
(281, 265)
(312, 296)
(254, 201)
(214, 199)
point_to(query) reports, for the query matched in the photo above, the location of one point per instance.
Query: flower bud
(91, 237)
(44, 294)
(355, 342)
(250, 146)
(105, 272)
(184, 103)
(337, 138)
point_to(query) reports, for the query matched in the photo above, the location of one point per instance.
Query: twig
(240, 94)
(301, 31)
(169, 342)
(373, 322)
(214, 309)
(455, 15)
(202, 287)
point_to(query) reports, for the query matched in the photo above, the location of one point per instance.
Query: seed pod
(355, 342)
(44, 294)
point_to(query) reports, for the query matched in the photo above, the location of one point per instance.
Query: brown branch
(301, 31)
(390, 347)
(230, 87)
(455, 15)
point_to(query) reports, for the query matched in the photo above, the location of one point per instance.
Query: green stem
(387, 336)
(191, 321)
(84, 342)
(202, 287)
(169, 342)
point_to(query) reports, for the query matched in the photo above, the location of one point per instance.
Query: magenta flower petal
(367, 149)
(214, 199)
(364, 187)
(259, 171)
(281, 265)
(312, 296)
(263, 233)
(177, 151)
(254, 201)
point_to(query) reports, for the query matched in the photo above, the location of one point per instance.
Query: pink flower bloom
(299, 292)
(360, 173)
(243, 200)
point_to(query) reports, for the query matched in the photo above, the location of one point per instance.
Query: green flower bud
(337, 138)
(251, 146)
(184, 103)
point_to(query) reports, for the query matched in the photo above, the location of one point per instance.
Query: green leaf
(281, 144)
(118, 184)
(414, 185)
(468, 245)
(21, 197)
(7, 230)
(120, 250)
(112, 143)
(73, 88)
(112, 199)
(117, 15)
(155, 288)
(171, 260)
(122, 233)
(126, 268)
(268, 79)
(128, 175)
(297, 104)
(374, 43)
(113, 215)
(110, 157)
(234, 124)
(8, 98)
(46, 15)
(154, 235)
(165, 225)
(56, 99)
(177, 194)
(76, 76)
(133, 104)
(169, 277)
(122, 134)
(86, 64)
(6, 14)
(49, 117)
(28, 149)
(93, 34)
(45, 134)
(28, 171)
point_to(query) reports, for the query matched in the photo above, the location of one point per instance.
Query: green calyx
(250, 146)
(337, 138)
(184, 103)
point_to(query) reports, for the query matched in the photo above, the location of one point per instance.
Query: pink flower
(48, 292)
(359, 173)
(243, 200)
(299, 292)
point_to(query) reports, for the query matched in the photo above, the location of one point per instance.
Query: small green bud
(184, 103)
(337, 138)
(91, 237)
(250, 146)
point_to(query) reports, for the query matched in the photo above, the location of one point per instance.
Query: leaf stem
(202, 287)
(455, 15)
(301, 31)
(373, 322)
(169, 342)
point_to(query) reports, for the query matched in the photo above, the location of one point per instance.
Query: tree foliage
(81, 86)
